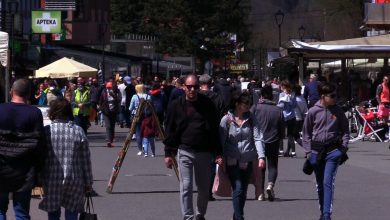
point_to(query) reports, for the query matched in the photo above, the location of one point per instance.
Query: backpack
(146, 111)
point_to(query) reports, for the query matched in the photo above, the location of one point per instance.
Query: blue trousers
(146, 142)
(57, 215)
(325, 177)
(239, 178)
(21, 203)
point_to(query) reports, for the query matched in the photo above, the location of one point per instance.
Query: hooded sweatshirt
(325, 125)
(243, 143)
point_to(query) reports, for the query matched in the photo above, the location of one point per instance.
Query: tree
(183, 26)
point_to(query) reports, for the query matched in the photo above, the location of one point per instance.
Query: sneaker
(199, 217)
(281, 153)
(270, 192)
(153, 155)
(261, 197)
(293, 154)
(139, 153)
(145, 155)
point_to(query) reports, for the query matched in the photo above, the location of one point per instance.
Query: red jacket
(148, 127)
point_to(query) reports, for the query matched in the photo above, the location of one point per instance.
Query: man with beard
(192, 133)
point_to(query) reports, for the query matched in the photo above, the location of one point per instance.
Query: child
(148, 132)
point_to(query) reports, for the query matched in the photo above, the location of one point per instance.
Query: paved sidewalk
(146, 190)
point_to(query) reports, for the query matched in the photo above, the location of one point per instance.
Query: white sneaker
(153, 155)
(261, 197)
(145, 155)
(270, 192)
(139, 153)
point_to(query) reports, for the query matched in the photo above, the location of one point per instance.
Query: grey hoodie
(237, 141)
(324, 125)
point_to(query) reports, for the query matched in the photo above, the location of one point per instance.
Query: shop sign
(46, 22)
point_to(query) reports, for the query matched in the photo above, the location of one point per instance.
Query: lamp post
(103, 29)
(301, 32)
(13, 8)
(279, 16)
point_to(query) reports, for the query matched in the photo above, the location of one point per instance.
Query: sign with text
(46, 22)
(238, 67)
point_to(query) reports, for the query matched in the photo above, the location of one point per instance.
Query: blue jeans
(82, 121)
(57, 214)
(239, 178)
(146, 142)
(138, 137)
(21, 203)
(325, 178)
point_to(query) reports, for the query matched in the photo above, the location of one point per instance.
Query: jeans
(271, 153)
(239, 179)
(325, 177)
(82, 121)
(189, 162)
(290, 124)
(146, 142)
(138, 137)
(21, 203)
(109, 122)
(57, 214)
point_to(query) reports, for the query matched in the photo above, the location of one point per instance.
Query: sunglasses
(332, 96)
(189, 87)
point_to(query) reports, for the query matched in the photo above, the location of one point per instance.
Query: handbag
(88, 214)
(307, 167)
(221, 185)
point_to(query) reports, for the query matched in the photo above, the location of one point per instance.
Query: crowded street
(147, 190)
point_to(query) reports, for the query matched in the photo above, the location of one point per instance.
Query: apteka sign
(46, 22)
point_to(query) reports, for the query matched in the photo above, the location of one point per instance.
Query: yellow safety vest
(81, 98)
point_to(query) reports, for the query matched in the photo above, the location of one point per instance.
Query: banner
(46, 22)
(382, 1)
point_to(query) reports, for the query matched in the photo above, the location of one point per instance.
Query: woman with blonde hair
(134, 104)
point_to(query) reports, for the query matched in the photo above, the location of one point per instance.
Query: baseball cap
(205, 78)
(127, 79)
(109, 85)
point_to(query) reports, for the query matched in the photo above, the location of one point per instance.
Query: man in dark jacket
(22, 150)
(192, 132)
(270, 120)
(223, 88)
(310, 93)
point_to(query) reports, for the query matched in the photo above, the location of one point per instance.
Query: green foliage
(182, 26)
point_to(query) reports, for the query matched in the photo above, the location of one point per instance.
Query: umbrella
(65, 68)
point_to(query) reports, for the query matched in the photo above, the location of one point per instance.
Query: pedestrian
(325, 137)
(300, 113)
(310, 92)
(159, 100)
(205, 82)
(41, 94)
(109, 105)
(22, 150)
(192, 133)
(67, 175)
(243, 145)
(149, 132)
(81, 104)
(269, 117)
(129, 91)
(287, 102)
(134, 104)
(94, 98)
(383, 98)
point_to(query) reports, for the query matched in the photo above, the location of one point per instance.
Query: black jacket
(177, 122)
(22, 156)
